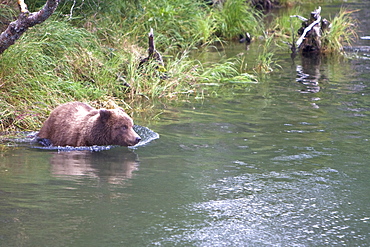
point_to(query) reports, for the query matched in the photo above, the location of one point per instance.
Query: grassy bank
(91, 52)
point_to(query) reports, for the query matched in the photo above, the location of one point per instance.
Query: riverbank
(91, 53)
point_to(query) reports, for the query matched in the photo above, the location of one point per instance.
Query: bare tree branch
(71, 11)
(153, 54)
(306, 30)
(25, 20)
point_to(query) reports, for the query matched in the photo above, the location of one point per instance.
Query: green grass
(93, 56)
(178, 24)
(55, 62)
(284, 25)
(265, 62)
(7, 14)
(49, 65)
(236, 17)
(233, 70)
(342, 32)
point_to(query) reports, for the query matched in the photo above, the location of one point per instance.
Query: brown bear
(78, 124)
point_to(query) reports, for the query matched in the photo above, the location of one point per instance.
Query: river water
(284, 162)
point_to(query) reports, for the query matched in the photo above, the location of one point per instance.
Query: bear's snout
(133, 139)
(138, 139)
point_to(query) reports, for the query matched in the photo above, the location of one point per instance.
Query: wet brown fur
(78, 124)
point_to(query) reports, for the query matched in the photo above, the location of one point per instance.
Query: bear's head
(118, 127)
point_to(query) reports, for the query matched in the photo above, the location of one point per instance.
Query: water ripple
(29, 138)
(288, 208)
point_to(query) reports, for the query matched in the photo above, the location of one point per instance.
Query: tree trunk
(311, 32)
(25, 20)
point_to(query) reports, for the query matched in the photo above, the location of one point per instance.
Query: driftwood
(25, 20)
(311, 32)
(153, 54)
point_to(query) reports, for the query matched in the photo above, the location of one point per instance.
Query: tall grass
(233, 70)
(237, 17)
(40, 70)
(56, 62)
(342, 32)
(284, 26)
(7, 14)
(177, 23)
(265, 62)
(207, 27)
(92, 54)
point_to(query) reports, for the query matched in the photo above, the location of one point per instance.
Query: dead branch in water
(310, 32)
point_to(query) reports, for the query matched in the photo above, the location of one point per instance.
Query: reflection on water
(309, 73)
(71, 162)
(106, 166)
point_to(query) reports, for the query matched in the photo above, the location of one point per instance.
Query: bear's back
(78, 108)
(78, 124)
(66, 122)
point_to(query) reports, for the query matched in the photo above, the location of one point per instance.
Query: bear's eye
(124, 127)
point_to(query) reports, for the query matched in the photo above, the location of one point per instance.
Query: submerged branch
(299, 17)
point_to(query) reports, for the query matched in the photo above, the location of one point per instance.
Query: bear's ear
(104, 114)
